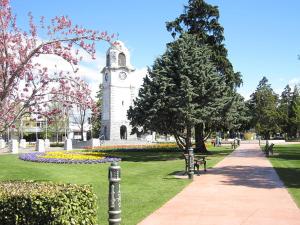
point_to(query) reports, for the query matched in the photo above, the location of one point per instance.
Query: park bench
(269, 149)
(198, 161)
(233, 145)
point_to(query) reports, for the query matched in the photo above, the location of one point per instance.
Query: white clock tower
(118, 93)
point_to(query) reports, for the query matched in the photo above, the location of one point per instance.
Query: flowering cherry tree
(27, 86)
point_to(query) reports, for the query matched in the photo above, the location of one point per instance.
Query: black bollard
(191, 163)
(114, 196)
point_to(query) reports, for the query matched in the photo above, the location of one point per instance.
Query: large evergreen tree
(183, 89)
(263, 105)
(202, 20)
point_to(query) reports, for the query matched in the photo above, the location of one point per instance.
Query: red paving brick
(241, 189)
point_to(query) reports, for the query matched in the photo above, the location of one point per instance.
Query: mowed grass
(286, 161)
(147, 181)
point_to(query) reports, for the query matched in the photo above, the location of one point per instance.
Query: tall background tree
(236, 118)
(202, 20)
(28, 86)
(295, 113)
(284, 110)
(263, 106)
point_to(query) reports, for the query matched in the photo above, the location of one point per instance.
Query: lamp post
(114, 196)
(191, 163)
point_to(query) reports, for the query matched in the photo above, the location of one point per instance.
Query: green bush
(56, 144)
(248, 136)
(36, 203)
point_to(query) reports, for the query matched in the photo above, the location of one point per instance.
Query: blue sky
(262, 36)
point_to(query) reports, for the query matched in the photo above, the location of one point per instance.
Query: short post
(14, 146)
(40, 145)
(114, 196)
(68, 144)
(191, 163)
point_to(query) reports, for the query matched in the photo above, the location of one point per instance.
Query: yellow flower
(74, 155)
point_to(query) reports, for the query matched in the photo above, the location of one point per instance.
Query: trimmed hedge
(40, 203)
(57, 144)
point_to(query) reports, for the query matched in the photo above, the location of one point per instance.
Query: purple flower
(36, 157)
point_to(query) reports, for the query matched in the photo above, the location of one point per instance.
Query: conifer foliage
(263, 106)
(183, 89)
(295, 113)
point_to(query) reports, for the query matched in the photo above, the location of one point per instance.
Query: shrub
(56, 144)
(36, 203)
(248, 136)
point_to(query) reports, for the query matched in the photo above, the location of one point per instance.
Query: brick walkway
(241, 189)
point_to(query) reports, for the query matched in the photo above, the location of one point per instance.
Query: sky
(262, 36)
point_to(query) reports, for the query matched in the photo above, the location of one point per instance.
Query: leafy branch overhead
(27, 86)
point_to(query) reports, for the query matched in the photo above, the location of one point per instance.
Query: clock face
(122, 75)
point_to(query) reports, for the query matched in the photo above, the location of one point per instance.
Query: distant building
(33, 129)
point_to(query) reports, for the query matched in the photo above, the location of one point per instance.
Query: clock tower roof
(118, 57)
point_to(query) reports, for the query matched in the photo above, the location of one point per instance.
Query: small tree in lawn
(79, 112)
(96, 115)
(28, 86)
(57, 122)
(183, 89)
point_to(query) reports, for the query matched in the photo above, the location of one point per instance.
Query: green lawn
(147, 182)
(286, 161)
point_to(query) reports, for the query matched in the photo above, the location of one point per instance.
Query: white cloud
(245, 93)
(278, 91)
(294, 81)
(89, 70)
(137, 79)
(138, 76)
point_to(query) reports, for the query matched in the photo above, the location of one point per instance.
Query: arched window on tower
(122, 59)
(107, 60)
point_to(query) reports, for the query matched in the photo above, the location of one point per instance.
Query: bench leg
(196, 166)
(204, 166)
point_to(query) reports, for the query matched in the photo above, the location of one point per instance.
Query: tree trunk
(199, 138)
(188, 138)
(81, 131)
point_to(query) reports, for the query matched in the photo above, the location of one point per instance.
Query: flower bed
(146, 146)
(68, 157)
(160, 146)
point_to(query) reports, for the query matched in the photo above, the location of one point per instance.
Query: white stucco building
(120, 87)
